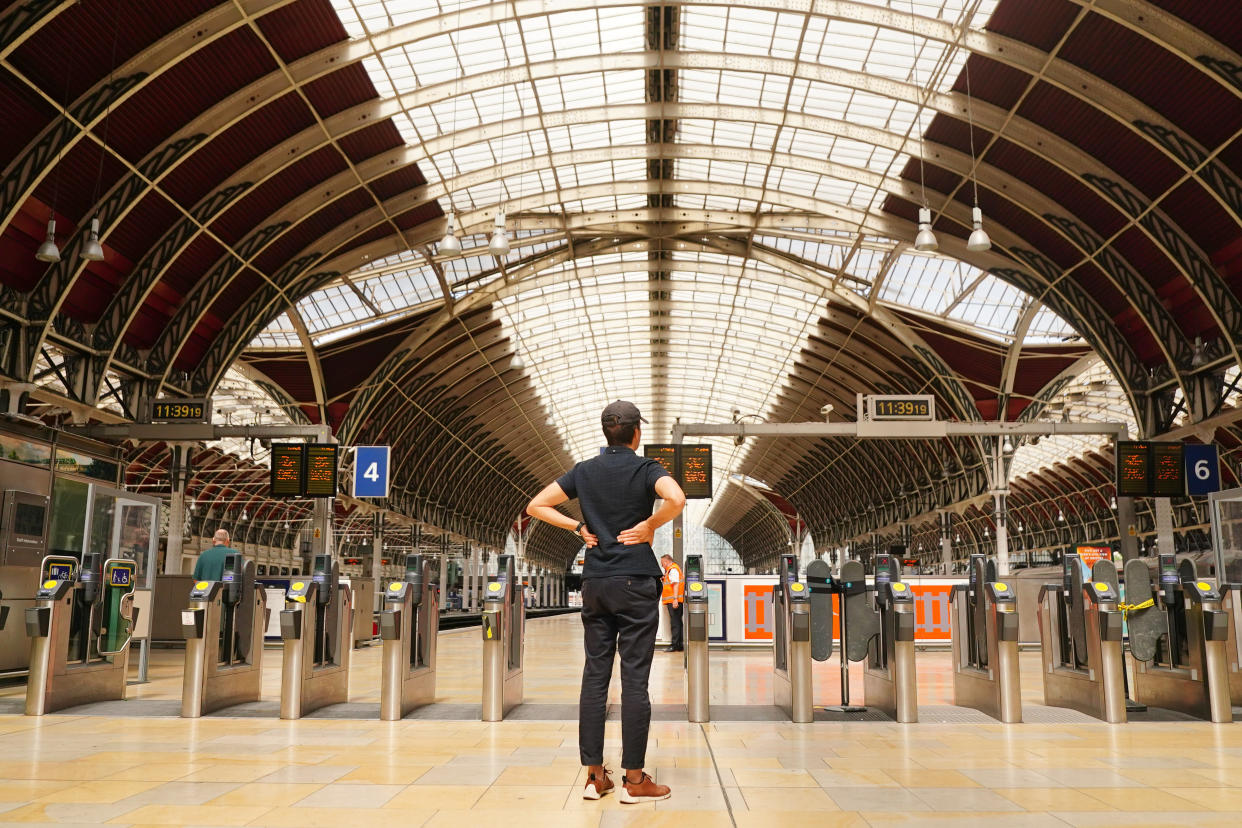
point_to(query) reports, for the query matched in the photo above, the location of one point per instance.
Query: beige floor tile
(240, 772)
(386, 774)
(192, 815)
(343, 817)
(664, 819)
(801, 819)
(1049, 799)
(913, 778)
(522, 798)
(99, 791)
(542, 775)
(436, 797)
(1216, 799)
(1142, 799)
(519, 819)
(157, 772)
(750, 778)
(24, 790)
(759, 800)
(271, 794)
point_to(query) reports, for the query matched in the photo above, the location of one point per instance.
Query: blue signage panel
(1202, 469)
(371, 471)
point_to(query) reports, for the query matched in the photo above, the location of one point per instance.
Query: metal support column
(946, 541)
(1164, 525)
(377, 552)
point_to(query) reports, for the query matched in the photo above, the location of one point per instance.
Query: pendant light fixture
(925, 240)
(92, 251)
(498, 246)
(450, 245)
(978, 241)
(48, 251)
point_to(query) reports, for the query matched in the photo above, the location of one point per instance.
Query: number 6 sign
(1202, 469)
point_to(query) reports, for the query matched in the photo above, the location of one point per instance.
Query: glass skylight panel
(1047, 326)
(924, 283)
(993, 305)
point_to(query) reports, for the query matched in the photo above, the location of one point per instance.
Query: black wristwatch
(578, 528)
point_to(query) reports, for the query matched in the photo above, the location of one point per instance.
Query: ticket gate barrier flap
(409, 626)
(889, 677)
(1091, 681)
(698, 708)
(1187, 670)
(223, 628)
(80, 645)
(503, 621)
(823, 588)
(316, 627)
(863, 621)
(985, 645)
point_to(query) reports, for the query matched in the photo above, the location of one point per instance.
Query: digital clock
(910, 407)
(180, 410)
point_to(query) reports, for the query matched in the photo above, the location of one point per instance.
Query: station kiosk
(316, 628)
(223, 628)
(1080, 641)
(409, 624)
(890, 683)
(80, 629)
(791, 643)
(984, 629)
(698, 707)
(1178, 634)
(504, 622)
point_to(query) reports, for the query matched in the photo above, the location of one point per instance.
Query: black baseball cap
(621, 412)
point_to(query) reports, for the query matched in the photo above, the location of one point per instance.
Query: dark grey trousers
(619, 612)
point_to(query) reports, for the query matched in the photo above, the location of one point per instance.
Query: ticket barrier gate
(985, 644)
(409, 624)
(791, 644)
(504, 621)
(223, 628)
(890, 683)
(1080, 641)
(80, 629)
(316, 627)
(698, 708)
(1178, 632)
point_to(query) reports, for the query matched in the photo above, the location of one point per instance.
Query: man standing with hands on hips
(620, 591)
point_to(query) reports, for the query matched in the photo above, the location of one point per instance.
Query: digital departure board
(180, 410)
(690, 466)
(320, 470)
(1149, 469)
(919, 407)
(695, 464)
(665, 455)
(1133, 468)
(1168, 470)
(288, 469)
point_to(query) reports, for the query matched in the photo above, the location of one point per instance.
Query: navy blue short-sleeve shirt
(616, 490)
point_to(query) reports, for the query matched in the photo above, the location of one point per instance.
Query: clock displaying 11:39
(180, 410)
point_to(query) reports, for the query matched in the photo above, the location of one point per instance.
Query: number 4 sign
(1202, 469)
(371, 471)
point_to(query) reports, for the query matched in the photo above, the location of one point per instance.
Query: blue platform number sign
(371, 471)
(1202, 469)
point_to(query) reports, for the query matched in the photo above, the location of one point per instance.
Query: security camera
(826, 410)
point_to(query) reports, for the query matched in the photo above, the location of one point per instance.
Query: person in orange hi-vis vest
(672, 596)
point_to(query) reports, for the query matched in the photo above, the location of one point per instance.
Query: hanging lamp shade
(450, 245)
(925, 241)
(48, 251)
(498, 246)
(92, 251)
(978, 241)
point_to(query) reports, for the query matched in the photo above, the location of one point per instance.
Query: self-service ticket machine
(1178, 632)
(791, 645)
(890, 683)
(1080, 641)
(409, 624)
(698, 708)
(504, 621)
(985, 643)
(80, 629)
(316, 627)
(223, 628)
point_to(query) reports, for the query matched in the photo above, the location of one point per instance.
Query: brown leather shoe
(645, 791)
(597, 786)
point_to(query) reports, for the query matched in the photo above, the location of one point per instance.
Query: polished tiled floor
(246, 771)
